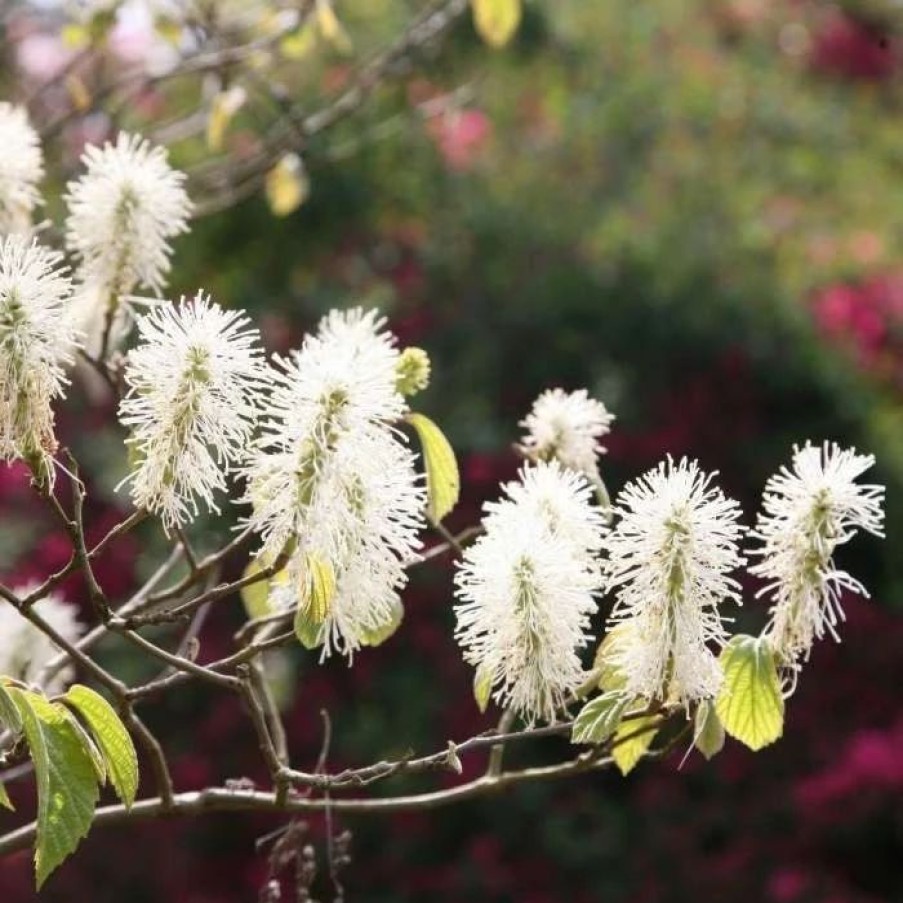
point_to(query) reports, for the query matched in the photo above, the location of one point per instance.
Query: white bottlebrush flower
(669, 557)
(326, 403)
(21, 169)
(25, 650)
(363, 521)
(37, 342)
(332, 480)
(192, 404)
(566, 426)
(123, 213)
(809, 510)
(562, 499)
(527, 591)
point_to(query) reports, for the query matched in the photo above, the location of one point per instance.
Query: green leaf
(609, 675)
(223, 108)
(112, 738)
(255, 596)
(91, 748)
(5, 801)
(443, 483)
(318, 588)
(708, 731)
(380, 634)
(315, 595)
(599, 718)
(66, 782)
(482, 687)
(307, 632)
(287, 185)
(9, 714)
(496, 21)
(750, 704)
(640, 733)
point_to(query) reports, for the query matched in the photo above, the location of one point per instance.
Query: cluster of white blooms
(332, 481)
(527, 588)
(809, 510)
(669, 560)
(123, 212)
(567, 427)
(194, 380)
(21, 168)
(26, 649)
(37, 341)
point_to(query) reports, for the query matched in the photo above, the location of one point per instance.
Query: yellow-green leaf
(255, 596)
(708, 731)
(331, 28)
(750, 704)
(112, 738)
(287, 185)
(609, 675)
(443, 483)
(5, 801)
(632, 738)
(78, 93)
(222, 109)
(317, 588)
(66, 782)
(382, 633)
(168, 29)
(482, 687)
(496, 21)
(299, 43)
(306, 630)
(74, 36)
(315, 595)
(599, 718)
(9, 713)
(90, 747)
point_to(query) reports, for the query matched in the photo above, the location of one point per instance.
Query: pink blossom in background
(871, 762)
(133, 39)
(865, 319)
(849, 49)
(91, 129)
(461, 136)
(787, 884)
(42, 57)
(847, 314)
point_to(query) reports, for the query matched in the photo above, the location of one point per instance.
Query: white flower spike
(327, 403)
(810, 509)
(26, 650)
(566, 426)
(123, 213)
(37, 342)
(527, 590)
(21, 169)
(332, 480)
(192, 405)
(562, 499)
(669, 557)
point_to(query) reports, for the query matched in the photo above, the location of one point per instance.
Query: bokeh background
(693, 208)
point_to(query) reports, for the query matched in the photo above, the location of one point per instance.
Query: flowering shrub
(336, 514)
(335, 509)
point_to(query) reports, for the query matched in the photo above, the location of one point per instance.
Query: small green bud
(412, 374)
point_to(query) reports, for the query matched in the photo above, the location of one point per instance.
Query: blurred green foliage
(650, 191)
